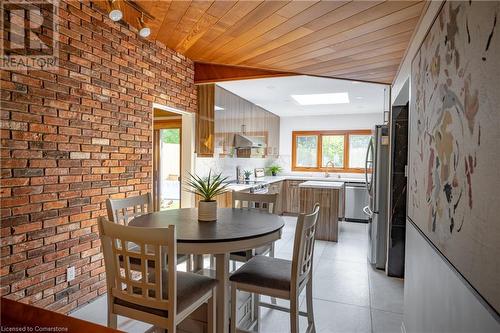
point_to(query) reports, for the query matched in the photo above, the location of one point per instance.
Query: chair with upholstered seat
(282, 278)
(122, 211)
(153, 291)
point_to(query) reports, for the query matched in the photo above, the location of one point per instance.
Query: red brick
(20, 229)
(42, 128)
(26, 209)
(23, 265)
(15, 201)
(43, 197)
(26, 246)
(55, 204)
(71, 138)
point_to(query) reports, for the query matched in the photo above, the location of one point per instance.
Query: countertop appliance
(377, 164)
(254, 186)
(356, 198)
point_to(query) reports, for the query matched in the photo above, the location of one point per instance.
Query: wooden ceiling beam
(210, 73)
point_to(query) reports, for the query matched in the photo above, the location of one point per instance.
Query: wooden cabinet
(277, 187)
(205, 128)
(235, 115)
(291, 196)
(224, 200)
(330, 203)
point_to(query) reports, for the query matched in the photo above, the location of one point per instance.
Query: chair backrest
(123, 210)
(140, 284)
(303, 246)
(259, 201)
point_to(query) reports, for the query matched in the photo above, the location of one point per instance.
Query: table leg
(222, 274)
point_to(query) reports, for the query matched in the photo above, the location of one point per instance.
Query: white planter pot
(207, 211)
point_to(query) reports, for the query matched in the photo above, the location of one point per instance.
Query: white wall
(314, 123)
(436, 298)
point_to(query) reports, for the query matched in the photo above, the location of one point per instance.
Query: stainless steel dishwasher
(356, 198)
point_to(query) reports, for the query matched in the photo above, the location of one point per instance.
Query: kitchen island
(330, 196)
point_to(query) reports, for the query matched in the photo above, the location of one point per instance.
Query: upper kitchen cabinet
(235, 116)
(205, 120)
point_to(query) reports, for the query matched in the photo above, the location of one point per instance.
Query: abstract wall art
(454, 162)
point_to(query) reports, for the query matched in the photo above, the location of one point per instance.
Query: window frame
(320, 134)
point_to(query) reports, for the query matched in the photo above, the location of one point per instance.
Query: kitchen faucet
(327, 168)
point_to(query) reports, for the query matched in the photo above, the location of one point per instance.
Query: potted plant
(247, 174)
(274, 169)
(207, 188)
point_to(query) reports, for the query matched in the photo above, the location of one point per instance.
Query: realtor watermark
(32, 328)
(29, 38)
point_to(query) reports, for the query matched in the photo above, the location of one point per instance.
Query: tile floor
(349, 295)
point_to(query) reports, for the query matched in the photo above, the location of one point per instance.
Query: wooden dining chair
(122, 211)
(282, 278)
(162, 296)
(263, 202)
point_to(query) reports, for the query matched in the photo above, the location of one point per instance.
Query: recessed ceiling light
(218, 108)
(318, 99)
(359, 97)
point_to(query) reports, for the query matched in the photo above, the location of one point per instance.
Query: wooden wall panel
(205, 120)
(212, 73)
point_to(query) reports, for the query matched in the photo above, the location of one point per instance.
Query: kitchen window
(346, 150)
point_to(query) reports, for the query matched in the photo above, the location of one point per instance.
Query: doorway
(167, 150)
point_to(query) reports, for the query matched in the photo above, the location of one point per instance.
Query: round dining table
(235, 230)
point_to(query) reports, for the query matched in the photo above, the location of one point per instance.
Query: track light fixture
(116, 13)
(144, 31)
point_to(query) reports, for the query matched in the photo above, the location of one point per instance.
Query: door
(167, 164)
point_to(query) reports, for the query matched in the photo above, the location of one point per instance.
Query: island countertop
(322, 184)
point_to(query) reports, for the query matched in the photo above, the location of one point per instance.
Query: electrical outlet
(70, 273)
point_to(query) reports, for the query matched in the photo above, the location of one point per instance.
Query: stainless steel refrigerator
(377, 180)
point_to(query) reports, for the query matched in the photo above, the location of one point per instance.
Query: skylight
(318, 99)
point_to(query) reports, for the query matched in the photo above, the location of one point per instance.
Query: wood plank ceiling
(360, 40)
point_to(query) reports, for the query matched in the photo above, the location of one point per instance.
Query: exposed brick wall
(72, 138)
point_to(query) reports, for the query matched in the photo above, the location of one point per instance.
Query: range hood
(244, 142)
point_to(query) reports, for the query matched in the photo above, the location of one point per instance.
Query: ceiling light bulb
(144, 31)
(115, 13)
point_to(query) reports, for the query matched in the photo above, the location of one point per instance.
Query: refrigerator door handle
(369, 162)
